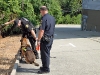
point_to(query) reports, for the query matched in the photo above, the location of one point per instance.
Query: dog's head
(24, 42)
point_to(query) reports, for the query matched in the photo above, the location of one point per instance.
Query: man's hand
(2, 26)
(7, 23)
(38, 42)
(38, 45)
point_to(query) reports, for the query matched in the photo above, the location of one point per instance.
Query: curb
(15, 65)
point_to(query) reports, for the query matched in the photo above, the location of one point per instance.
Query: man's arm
(33, 34)
(41, 32)
(7, 23)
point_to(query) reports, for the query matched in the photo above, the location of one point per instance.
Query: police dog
(27, 53)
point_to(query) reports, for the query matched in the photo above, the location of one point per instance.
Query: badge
(27, 26)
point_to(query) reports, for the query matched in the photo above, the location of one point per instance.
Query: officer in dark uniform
(27, 30)
(45, 38)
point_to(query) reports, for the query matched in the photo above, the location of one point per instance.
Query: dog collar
(24, 48)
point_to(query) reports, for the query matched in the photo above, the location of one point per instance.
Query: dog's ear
(23, 42)
(25, 36)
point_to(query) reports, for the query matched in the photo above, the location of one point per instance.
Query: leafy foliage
(71, 19)
(70, 6)
(64, 11)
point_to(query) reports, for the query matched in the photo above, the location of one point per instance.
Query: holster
(46, 38)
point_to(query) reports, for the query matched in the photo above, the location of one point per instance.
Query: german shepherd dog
(27, 53)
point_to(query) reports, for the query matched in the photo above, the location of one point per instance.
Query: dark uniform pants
(32, 42)
(45, 48)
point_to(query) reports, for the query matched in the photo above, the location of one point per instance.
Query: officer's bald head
(43, 10)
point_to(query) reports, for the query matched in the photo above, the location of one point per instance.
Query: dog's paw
(36, 64)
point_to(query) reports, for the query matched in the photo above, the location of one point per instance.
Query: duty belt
(51, 36)
(48, 36)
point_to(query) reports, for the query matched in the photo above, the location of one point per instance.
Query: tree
(28, 11)
(53, 6)
(70, 6)
(10, 9)
(54, 9)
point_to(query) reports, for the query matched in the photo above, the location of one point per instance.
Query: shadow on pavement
(26, 70)
(73, 32)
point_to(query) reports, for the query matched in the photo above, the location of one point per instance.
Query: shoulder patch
(27, 26)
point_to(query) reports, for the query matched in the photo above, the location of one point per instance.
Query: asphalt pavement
(74, 52)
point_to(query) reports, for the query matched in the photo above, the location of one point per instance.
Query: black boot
(37, 56)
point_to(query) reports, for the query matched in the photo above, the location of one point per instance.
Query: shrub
(71, 20)
(79, 19)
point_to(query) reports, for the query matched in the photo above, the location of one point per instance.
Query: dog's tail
(36, 64)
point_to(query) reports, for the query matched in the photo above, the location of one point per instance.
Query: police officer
(45, 38)
(28, 30)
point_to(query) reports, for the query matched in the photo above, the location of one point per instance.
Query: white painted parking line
(72, 45)
(63, 45)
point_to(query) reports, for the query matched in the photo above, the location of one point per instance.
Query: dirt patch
(8, 49)
(0, 36)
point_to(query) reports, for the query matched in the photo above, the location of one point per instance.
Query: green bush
(79, 19)
(76, 19)
(71, 20)
(68, 19)
(10, 9)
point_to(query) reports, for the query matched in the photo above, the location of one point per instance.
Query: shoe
(37, 56)
(41, 68)
(43, 72)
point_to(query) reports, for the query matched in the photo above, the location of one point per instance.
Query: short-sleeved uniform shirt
(47, 24)
(26, 26)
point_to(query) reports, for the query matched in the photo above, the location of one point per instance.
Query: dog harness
(24, 49)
